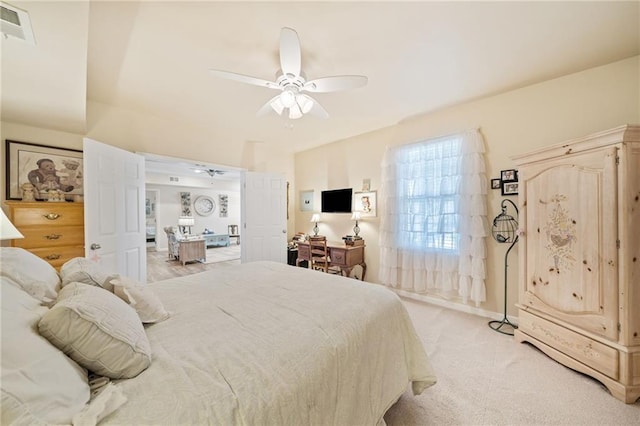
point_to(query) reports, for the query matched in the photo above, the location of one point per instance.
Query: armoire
(579, 257)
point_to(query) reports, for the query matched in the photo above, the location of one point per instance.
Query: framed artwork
(306, 201)
(510, 188)
(496, 183)
(185, 204)
(365, 203)
(223, 200)
(510, 175)
(45, 167)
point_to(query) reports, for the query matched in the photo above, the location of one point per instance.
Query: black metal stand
(497, 325)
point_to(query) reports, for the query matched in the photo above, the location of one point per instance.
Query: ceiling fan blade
(245, 79)
(317, 110)
(290, 56)
(335, 84)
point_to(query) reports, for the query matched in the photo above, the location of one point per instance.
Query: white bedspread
(269, 344)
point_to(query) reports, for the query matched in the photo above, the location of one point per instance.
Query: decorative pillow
(97, 330)
(39, 383)
(33, 274)
(83, 270)
(141, 298)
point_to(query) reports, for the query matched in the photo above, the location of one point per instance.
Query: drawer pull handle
(51, 216)
(52, 257)
(53, 236)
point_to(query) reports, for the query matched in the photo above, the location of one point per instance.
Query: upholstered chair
(174, 237)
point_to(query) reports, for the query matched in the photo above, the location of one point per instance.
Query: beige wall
(511, 123)
(138, 132)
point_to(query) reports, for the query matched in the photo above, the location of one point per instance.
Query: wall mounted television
(336, 200)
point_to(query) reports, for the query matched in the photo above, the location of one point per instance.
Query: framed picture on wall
(510, 188)
(306, 201)
(45, 167)
(365, 203)
(510, 175)
(496, 183)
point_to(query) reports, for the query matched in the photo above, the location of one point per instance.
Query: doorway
(151, 223)
(175, 183)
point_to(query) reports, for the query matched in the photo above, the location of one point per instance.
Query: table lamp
(186, 222)
(315, 218)
(356, 229)
(7, 230)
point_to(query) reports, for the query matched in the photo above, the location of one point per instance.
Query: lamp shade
(7, 230)
(355, 216)
(315, 217)
(186, 221)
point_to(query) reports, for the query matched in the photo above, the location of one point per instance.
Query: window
(427, 180)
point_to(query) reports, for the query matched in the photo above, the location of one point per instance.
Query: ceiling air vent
(16, 23)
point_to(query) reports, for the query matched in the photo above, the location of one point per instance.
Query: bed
(261, 343)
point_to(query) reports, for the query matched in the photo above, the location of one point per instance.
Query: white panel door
(264, 217)
(115, 233)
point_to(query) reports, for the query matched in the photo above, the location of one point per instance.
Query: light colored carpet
(486, 378)
(223, 254)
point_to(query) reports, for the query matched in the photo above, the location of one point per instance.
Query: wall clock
(204, 205)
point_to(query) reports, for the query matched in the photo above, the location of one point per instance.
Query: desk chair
(319, 253)
(232, 230)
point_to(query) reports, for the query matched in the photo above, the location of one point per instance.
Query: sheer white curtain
(433, 226)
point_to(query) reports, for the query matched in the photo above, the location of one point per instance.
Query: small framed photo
(509, 188)
(510, 175)
(306, 201)
(496, 183)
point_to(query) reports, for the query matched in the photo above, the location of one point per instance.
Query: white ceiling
(153, 58)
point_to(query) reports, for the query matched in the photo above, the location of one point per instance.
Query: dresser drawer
(50, 236)
(47, 214)
(588, 351)
(57, 256)
(338, 257)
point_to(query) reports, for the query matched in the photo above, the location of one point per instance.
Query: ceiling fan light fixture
(288, 98)
(295, 112)
(305, 102)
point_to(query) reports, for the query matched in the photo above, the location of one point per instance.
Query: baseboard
(452, 305)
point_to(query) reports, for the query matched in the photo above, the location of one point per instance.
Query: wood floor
(159, 267)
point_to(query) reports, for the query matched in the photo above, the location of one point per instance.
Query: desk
(192, 250)
(341, 255)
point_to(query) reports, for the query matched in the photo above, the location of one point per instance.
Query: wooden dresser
(579, 279)
(53, 231)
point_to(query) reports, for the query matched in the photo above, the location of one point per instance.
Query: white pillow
(38, 381)
(97, 330)
(141, 298)
(83, 270)
(33, 274)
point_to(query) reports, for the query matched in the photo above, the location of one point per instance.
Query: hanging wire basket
(505, 227)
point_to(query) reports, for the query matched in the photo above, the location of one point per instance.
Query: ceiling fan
(210, 172)
(291, 82)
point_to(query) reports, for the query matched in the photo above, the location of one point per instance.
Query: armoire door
(570, 224)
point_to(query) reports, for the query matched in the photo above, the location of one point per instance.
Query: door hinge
(618, 244)
(619, 327)
(617, 159)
